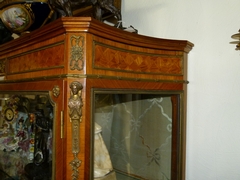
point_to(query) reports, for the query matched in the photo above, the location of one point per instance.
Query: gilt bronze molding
(56, 91)
(77, 53)
(75, 112)
(2, 67)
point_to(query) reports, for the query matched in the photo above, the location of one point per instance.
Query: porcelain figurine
(102, 161)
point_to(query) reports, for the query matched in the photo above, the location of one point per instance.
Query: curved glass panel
(135, 135)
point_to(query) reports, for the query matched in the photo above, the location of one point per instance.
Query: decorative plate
(17, 18)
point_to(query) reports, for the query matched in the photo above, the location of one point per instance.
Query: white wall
(213, 134)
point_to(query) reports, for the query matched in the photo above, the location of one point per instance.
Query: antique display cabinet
(83, 100)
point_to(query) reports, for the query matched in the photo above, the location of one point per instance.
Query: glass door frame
(178, 125)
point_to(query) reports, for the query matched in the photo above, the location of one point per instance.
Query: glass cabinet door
(26, 138)
(135, 135)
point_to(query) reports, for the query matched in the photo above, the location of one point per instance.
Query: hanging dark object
(237, 38)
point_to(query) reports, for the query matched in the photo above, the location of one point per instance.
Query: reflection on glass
(26, 122)
(137, 132)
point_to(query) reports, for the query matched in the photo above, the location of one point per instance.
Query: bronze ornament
(56, 91)
(66, 8)
(77, 52)
(75, 112)
(2, 66)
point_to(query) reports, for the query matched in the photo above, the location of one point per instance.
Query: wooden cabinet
(77, 61)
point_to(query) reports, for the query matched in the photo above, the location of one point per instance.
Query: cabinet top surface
(89, 25)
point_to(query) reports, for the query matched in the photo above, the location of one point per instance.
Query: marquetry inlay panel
(107, 57)
(45, 58)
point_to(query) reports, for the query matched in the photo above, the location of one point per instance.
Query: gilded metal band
(75, 112)
(97, 77)
(137, 79)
